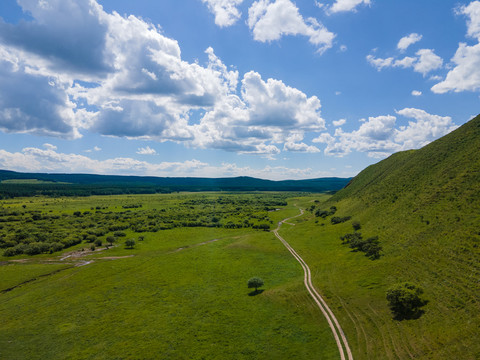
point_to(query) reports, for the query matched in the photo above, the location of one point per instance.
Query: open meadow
(180, 292)
(165, 276)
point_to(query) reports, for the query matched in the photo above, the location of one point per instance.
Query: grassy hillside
(447, 167)
(424, 206)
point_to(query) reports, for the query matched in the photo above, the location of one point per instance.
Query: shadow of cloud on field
(255, 292)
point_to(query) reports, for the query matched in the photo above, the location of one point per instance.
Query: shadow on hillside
(255, 292)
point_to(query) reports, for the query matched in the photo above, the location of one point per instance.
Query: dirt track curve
(337, 331)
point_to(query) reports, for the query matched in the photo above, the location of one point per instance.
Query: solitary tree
(404, 299)
(255, 282)
(111, 240)
(130, 243)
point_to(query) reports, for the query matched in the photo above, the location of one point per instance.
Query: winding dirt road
(337, 331)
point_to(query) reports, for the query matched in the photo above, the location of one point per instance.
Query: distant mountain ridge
(167, 184)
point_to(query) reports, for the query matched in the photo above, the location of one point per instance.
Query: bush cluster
(324, 213)
(371, 246)
(338, 220)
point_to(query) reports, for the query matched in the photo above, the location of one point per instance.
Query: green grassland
(424, 206)
(180, 293)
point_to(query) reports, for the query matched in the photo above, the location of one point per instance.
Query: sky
(274, 89)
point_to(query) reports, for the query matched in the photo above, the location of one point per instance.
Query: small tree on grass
(130, 243)
(255, 282)
(404, 300)
(111, 240)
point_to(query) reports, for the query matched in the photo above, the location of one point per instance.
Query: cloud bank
(122, 77)
(381, 136)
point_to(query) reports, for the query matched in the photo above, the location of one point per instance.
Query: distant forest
(15, 184)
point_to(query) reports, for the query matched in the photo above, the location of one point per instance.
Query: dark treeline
(9, 191)
(56, 185)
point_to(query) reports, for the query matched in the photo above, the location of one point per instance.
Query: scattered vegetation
(48, 228)
(168, 297)
(371, 246)
(424, 206)
(325, 213)
(338, 220)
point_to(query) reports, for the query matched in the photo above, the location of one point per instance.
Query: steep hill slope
(424, 205)
(447, 167)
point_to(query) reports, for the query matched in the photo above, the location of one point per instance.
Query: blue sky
(276, 89)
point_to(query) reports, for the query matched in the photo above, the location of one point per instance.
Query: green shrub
(130, 243)
(56, 246)
(351, 238)
(33, 249)
(11, 251)
(404, 299)
(90, 238)
(371, 246)
(337, 220)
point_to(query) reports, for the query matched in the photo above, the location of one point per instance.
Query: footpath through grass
(355, 286)
(182, 295)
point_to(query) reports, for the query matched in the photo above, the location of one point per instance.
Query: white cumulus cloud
(265, 114)
(408, 40)
(346, 5)
(465, 75)
(226, 11)
(122, 77)
(381, 135)
(379, 63)
(270, 20)
(146, 151)
(425, 61)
